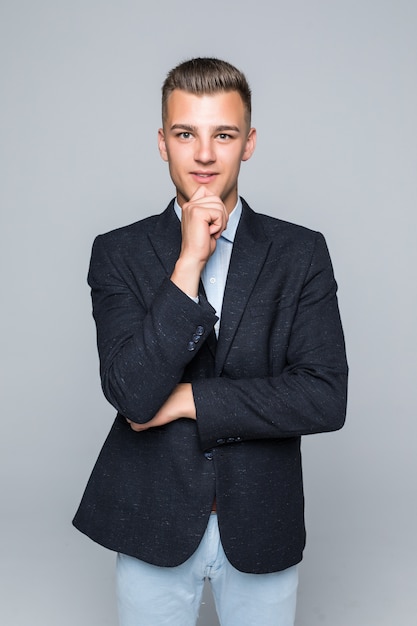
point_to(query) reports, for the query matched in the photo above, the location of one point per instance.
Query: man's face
(204, 140)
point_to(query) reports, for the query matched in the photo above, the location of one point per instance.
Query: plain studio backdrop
(335, 102)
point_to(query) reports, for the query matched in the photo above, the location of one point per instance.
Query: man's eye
(185, 135)
(223, 136)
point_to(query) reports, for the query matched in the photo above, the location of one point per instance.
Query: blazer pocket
(283, 302)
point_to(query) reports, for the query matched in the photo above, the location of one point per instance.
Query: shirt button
(212, 280)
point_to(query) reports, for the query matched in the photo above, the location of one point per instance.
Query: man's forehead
(218, 108)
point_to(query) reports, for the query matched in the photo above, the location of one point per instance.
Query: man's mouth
(204, 176)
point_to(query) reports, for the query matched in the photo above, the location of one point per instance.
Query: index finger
(200, 192)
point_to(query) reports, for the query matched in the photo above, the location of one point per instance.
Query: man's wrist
(186, 277)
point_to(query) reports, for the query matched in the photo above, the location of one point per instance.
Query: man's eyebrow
(186, 127)
(225, 127)
(219, 129)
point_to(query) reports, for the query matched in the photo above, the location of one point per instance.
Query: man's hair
(205, 75)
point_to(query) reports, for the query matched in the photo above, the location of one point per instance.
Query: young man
(220, 344)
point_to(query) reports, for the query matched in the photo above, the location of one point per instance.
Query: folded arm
(306, 390)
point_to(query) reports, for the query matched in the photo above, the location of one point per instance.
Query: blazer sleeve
(309, 392)
(144, 341)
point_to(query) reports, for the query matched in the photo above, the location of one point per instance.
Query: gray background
(335, 101)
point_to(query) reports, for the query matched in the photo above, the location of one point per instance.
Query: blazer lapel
(166, 238)
(250, 249)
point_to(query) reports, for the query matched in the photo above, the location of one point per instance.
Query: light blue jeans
(170, 596)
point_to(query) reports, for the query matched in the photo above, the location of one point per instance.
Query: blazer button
(220, 441)
(209, 455)
(196, 338)
(199, 330)
(191, 346)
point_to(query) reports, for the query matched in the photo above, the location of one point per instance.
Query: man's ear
(250, 145)
(161, 144)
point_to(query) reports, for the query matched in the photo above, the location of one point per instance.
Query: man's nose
(205, 152)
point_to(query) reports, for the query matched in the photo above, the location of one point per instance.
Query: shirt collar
(234, 217)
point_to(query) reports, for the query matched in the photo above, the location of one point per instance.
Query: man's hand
(179, 404)
(204, 218)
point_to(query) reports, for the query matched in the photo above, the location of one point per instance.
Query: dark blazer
(277, 371)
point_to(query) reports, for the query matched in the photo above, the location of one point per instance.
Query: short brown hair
(206, 76)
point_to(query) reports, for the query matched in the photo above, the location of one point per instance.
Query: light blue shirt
(215, 271)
